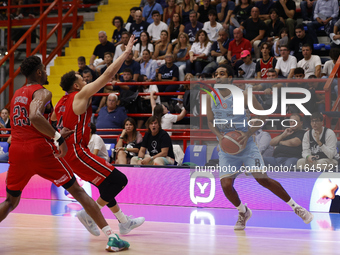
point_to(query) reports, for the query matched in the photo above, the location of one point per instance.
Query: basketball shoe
(304, 214)
(88, 223)
(242, 219)
(117, 244)
(125, 228)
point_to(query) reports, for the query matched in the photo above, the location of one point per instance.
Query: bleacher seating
(196, 154)
(110, 148)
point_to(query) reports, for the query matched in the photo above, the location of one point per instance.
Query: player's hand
(62, 150)
(65, 132)
(130, 44)
(243, 138)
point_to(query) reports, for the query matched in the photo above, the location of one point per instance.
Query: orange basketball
(230, 143)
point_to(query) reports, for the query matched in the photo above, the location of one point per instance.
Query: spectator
(286, 11)
(247, 69)
(224, 12)
(319, 98)
(129, 142)
(288, 145)
(162, 48)
(265, 7)
(192, 27)
(97, 145)
(156, 27)
(82, 66)
(219, 49)
(334, 54)
(148, 66)
(121, 48)
(274, 26)
(174, 28)
(170, 11)
(263, 139)
(144, 44)
(199, 53)
(300, 39)
(319, 146)
(240, 13)
(212, 27)
(159, 145)
(310, 63)
(104, 46)
(265, 63)
(283, 40)
(186, 8)
(326, 14)
(133, 65)
(235, 48)
(286, 64)
(111, 116)
(203, 11)
(149, 8)
(139, 26)
(4, 123)
(181, 53)
(132, 17)
(168, 72)
(307, 10)
(255, 30)
(117, 33)
(108, 58)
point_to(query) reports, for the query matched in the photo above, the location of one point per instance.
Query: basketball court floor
(50, 227)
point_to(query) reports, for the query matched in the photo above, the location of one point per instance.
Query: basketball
(230, 143)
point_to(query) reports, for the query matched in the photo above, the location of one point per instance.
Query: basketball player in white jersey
(249, 157)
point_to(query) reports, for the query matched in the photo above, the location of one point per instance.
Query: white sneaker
(242, 219)
(88, 223)
(304, 214)
(125, 228)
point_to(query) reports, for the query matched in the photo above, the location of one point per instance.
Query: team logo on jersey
(224, 105)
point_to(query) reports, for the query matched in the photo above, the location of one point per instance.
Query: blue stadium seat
(110, 147)
(318, 46)
(328, 47)
(214, 154)
(196, 154)
(4, 145)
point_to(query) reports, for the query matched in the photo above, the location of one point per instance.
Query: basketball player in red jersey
(32, 136)
(74, 112)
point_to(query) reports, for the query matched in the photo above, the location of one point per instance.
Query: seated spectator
(212, 27)
(121, 48)
(335, 36)
(162, 48)
(247, 69)
(131, 19)
(286, 64)
(159, 145)
(149, 8)
(255, 30)
(265, 7)
(4, 123)
(263, 139)
(139, 26)
(127, 77)
(274, 26)
(129, 142)
(133, 65)
(181, 53)
(104, 46)
(224, 11)
(319, 146)
(117, 33)
(203, 11)
(186, 8)
(320, 98)
(300, 39)
(288, 145)
(199, 53)
(148, 66)
(282, 40)
(170, 11)
(307, 10)
(311, 64)
(286, 11)
(111, 116)
(108, 59)
(142, 45)
(4, 156)
(82, 66)
(174, 28)
(265, 63)
(219, 50)
(192, 27)
(156, 28)
(97, 145)
(241, 12)
(334, 54)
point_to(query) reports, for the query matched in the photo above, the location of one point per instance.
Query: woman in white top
(148, 66)
(181, 53)
(160, 111)
(199, 53)
(140, 47)
(97, 145)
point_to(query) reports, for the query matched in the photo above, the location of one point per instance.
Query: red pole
(60, 28)
(28, 45)
(75, 15)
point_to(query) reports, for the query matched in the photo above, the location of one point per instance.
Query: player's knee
(227, 185)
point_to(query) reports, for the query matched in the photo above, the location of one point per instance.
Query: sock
(292, 203)
(108, 232)
(121, 217)
(241, 208)
(100, 206)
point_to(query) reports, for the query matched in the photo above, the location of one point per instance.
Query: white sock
(292, 203)
(100, 206)
(241, 208)
(108, 232)
(121, 217)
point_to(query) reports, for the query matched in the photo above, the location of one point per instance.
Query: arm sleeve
(264, 142)
(305, 145)
(336, 9)
(207, 49)
(329, 148)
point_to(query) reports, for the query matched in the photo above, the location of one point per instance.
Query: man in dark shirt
(286, 11)
(82, 66)
(300, 39)
(133, 65)
(264, 6)
(139, 26)
(203, 11)
(192, 27)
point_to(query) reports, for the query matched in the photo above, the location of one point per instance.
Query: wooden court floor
(43, 234)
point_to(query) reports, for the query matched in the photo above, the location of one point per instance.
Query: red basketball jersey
(265, 67)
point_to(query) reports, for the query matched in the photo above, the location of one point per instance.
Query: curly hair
(29, 65)
(120, 20)
(68, 80)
